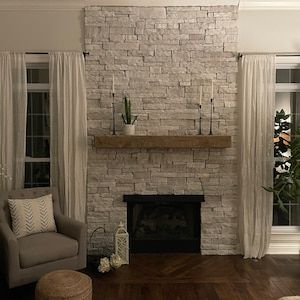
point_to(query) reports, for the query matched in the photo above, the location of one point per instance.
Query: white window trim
(36, 58)
(287, 61)
(286, 239)
(38, 87)
(287, 87)
(37, 159)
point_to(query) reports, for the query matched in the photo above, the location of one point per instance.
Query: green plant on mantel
(127, 117)
(286, 185)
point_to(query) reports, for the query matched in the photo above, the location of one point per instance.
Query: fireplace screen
(164, 223)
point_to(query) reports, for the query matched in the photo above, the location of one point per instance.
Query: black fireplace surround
(164, 223)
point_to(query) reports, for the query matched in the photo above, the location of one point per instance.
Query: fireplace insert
(164, 223)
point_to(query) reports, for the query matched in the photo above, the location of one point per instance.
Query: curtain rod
(259, 53)
(84, 53)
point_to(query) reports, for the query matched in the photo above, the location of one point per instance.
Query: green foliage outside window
(286, 185)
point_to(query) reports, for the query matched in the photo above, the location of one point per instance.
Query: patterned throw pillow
(32, 215)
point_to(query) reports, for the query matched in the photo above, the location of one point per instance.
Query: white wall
(269, 31)
(49, 29)
(35, 25)
(40, 30)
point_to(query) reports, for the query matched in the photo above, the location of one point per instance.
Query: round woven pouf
(64, 284)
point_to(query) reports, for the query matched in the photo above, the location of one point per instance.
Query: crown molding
(32, 5)
(269, 5)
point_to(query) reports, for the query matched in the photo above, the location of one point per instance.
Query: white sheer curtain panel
(69, 131)
(13, 108)
(257, 93)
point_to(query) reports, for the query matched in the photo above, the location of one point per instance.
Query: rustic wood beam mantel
(161, 142)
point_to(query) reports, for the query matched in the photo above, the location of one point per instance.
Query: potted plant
(128, 118)
(287, 168)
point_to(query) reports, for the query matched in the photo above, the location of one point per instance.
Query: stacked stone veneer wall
(160, 56)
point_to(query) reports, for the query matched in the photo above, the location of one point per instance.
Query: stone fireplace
(164, 223)
(160, 56)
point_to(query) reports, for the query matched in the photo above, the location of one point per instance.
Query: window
(287, 103)
(37, 162)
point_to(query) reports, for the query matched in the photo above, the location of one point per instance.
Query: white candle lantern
(122, 243)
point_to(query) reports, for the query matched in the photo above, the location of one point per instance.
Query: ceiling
(78, 4)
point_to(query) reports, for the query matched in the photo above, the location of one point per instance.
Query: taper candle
(212, 89)
(200, 96)
(113, 84)
(211, 115)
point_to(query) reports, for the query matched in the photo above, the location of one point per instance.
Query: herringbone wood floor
(192, 276)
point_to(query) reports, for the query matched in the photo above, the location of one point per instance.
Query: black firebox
(164, 223)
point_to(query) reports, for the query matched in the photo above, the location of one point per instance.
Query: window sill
(285, 240)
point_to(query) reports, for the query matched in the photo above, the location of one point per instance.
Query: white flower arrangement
(107, 264)
(104, 265)
(115, 261)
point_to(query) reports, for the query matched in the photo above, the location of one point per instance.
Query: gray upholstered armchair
(26, 259)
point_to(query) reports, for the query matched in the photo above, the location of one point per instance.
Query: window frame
(35, 60)
(285, 239)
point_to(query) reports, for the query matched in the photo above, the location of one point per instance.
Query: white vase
(129, 129)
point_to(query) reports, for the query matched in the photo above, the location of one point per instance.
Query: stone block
(152, 12)
(230, 47)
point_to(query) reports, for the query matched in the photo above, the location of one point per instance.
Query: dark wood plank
(159, 142)
(227, 291)
(190, 277)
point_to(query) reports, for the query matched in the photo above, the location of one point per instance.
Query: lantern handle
(91, 236)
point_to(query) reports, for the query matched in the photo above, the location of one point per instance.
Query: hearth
(164, 223)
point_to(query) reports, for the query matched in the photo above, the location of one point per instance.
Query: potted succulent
(128, 118)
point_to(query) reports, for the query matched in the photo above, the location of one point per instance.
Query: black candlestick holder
(200, 120)
(211, 115)
(113, 115)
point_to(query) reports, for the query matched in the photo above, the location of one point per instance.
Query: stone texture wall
(160, 56)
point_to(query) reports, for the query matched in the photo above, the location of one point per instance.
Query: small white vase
(129, 129)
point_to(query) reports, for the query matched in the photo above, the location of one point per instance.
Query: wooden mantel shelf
(160, 142)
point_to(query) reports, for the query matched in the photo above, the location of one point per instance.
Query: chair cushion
(45, 247)
(32, 215)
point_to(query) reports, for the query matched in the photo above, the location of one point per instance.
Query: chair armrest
(75, 230)
(70, 227)
(10, 248)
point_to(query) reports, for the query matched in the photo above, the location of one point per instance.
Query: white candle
(200, 96)
(212, 90)
(113, 84)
